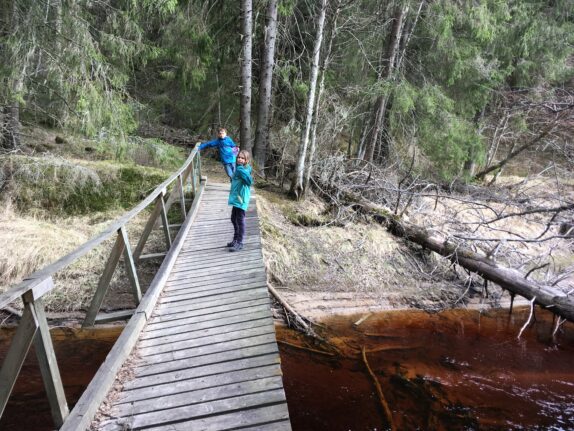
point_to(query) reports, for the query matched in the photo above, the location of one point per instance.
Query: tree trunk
(10, 112)
(247, 29)
(553, 299)
(261, 145)
(315, 121)
(516, 152)
(297, 183)
(386, 73)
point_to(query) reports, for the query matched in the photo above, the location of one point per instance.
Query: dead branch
(532, 301)
(384, 404)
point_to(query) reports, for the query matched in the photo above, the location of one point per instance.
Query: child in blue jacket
(226, 150)
(239, 198)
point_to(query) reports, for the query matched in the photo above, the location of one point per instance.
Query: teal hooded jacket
(241, 187)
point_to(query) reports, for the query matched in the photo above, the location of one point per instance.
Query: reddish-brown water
(79, 353)
(458, 370)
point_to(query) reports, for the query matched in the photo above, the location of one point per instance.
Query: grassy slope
(56, 196)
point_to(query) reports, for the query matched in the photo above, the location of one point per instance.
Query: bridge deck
(208, 358)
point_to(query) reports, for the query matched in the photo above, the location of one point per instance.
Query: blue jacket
(225, 146)
(241, 187)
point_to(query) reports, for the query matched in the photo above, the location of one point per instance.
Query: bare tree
(10, 112)
(265, 86)
(246, 62)
(297, 186)
(325, 64)
(385, 74)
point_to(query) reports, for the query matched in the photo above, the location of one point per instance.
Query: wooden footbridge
(199, 351)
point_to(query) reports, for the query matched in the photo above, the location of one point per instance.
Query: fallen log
(510, 279)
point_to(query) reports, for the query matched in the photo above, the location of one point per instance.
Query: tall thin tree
(325, 64)
(247, 46)
(386, 73)
(297, 189)
(265, 85)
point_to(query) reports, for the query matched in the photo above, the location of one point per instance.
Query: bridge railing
(33, 325)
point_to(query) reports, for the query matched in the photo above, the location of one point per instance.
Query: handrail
(86, 407)
(39, 276)
(33, 326)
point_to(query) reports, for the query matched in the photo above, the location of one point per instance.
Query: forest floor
(322, 264)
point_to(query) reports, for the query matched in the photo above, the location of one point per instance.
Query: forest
(407, 155)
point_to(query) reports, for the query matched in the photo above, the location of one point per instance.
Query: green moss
(64, 187)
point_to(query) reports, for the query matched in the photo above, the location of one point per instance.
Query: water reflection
(458, 370)
(453, 370)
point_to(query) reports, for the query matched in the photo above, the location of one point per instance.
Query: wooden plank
(130, 267)
(49, 366)
(282, 425)
(154, 216)
(219, 251)
(257, 418)
(16, 354)
(211, 272)
(152, 255)
(160, 391)
(261, 313)
(212, 301)
(216, 280)
(248, 244)
(114, 316)
(191, 306)
(104, 281)
(227, 259)
(202, 371)
(252, 331)
(193, 294)
(213, 318)
(165, 223)
(185, 334)
(188, 412)
(191, 280)
(198, 396)
(184, 286)
(164, 364)
(41, 289)
(83, 412)
(181, 197)
(209, 313)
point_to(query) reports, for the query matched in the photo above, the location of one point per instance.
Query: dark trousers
(238, 220)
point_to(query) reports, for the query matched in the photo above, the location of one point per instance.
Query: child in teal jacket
(239, 198)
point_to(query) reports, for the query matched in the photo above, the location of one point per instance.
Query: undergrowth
(61, 187)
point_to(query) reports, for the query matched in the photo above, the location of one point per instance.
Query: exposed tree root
(384, 404)
(308, 349)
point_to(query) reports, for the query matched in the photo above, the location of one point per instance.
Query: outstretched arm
(209, 144)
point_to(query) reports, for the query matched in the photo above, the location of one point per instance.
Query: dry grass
(345, 268)
(31, 243)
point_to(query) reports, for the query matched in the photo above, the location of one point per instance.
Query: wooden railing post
(104, 282)
(193, 174)
(48, 362)
(181, 197)
(148, 228)
(130, 266)
(199, 168)
(165, 223)
(16, 354)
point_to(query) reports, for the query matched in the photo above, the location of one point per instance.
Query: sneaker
(238, 246)
(232, 243)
